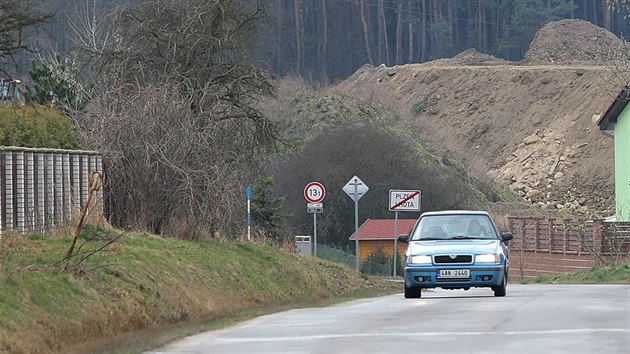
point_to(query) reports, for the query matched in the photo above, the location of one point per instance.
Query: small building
(615, 122)
(9, 89)
(376, 233)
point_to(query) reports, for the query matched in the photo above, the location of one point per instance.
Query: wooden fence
(41, 189)
(550, 246)
(568, 236)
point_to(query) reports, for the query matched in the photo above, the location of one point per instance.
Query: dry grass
(146, 290)
(10, 242)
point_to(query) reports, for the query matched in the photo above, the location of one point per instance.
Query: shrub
(36, 126)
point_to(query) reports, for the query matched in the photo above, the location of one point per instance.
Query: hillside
(144, 290)
(527, 125)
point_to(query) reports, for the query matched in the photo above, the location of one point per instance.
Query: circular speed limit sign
(314, 192)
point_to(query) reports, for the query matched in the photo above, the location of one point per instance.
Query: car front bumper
(480, 276)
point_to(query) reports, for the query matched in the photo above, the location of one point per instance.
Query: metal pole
(315, 234)
(395, 240)
(249, 219)
(356, 226)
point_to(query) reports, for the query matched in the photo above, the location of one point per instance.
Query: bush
(37, 127)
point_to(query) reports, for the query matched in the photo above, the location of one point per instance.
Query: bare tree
(366, 31)
(176, 112)
(15, 17)
(382, 157)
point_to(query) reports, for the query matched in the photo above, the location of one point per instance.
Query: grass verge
(617, 274)
(144, 291)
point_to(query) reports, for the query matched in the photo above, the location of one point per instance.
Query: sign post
(248, 193)
(314, 192)
(355, 189)
(402, 200)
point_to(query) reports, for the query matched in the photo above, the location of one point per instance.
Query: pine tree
(267, 213)
(51, 87)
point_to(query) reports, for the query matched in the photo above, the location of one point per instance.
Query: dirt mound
(572, 41)
(470, 56)
(528, 127)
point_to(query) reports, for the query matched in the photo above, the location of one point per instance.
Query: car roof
(455, 212)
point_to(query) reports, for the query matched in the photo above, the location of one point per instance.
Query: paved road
(530, 319)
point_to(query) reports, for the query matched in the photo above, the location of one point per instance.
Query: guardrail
(41, 189)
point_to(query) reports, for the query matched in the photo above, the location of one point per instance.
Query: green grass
(618, 274)
(145, 290)
(419, 107)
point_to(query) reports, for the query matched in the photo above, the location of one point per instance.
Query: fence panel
(616, 238)
(336, 255)
(544, 236)
(40, 189)
(530, 230)
(558, 240)
(571, 237)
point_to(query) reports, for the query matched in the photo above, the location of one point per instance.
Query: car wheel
(501, 290)
(412, 293)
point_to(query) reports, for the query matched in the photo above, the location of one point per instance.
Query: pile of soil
(470, 56)
(572, 41)
(528, 126)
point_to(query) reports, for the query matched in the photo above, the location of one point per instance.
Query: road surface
(530, 319)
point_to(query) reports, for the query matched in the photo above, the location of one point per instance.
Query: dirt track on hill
(529, 127)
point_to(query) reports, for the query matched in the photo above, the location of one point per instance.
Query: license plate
(453, 273)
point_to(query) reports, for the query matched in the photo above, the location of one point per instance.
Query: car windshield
(454, 227)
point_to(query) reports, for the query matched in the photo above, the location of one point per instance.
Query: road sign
(404, 200)
(314, 192)
(317, 208)
(249, 191)
(355, 188)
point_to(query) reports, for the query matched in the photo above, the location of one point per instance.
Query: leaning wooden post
(95, 183)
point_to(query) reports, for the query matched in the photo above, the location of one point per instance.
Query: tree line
(327, 40)
(330, 39)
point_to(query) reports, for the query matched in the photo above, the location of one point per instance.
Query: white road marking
(425, 334)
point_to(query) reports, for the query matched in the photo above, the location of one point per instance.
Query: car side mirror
(506, 236)
(403, 238)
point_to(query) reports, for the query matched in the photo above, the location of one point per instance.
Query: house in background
(615, 122)
(376, 233)
(9, 89)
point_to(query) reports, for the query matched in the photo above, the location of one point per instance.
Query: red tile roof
(382, 229)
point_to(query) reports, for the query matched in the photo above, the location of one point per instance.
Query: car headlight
(422, 259)
(487, 258)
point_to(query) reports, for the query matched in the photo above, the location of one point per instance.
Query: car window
(438, 227)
